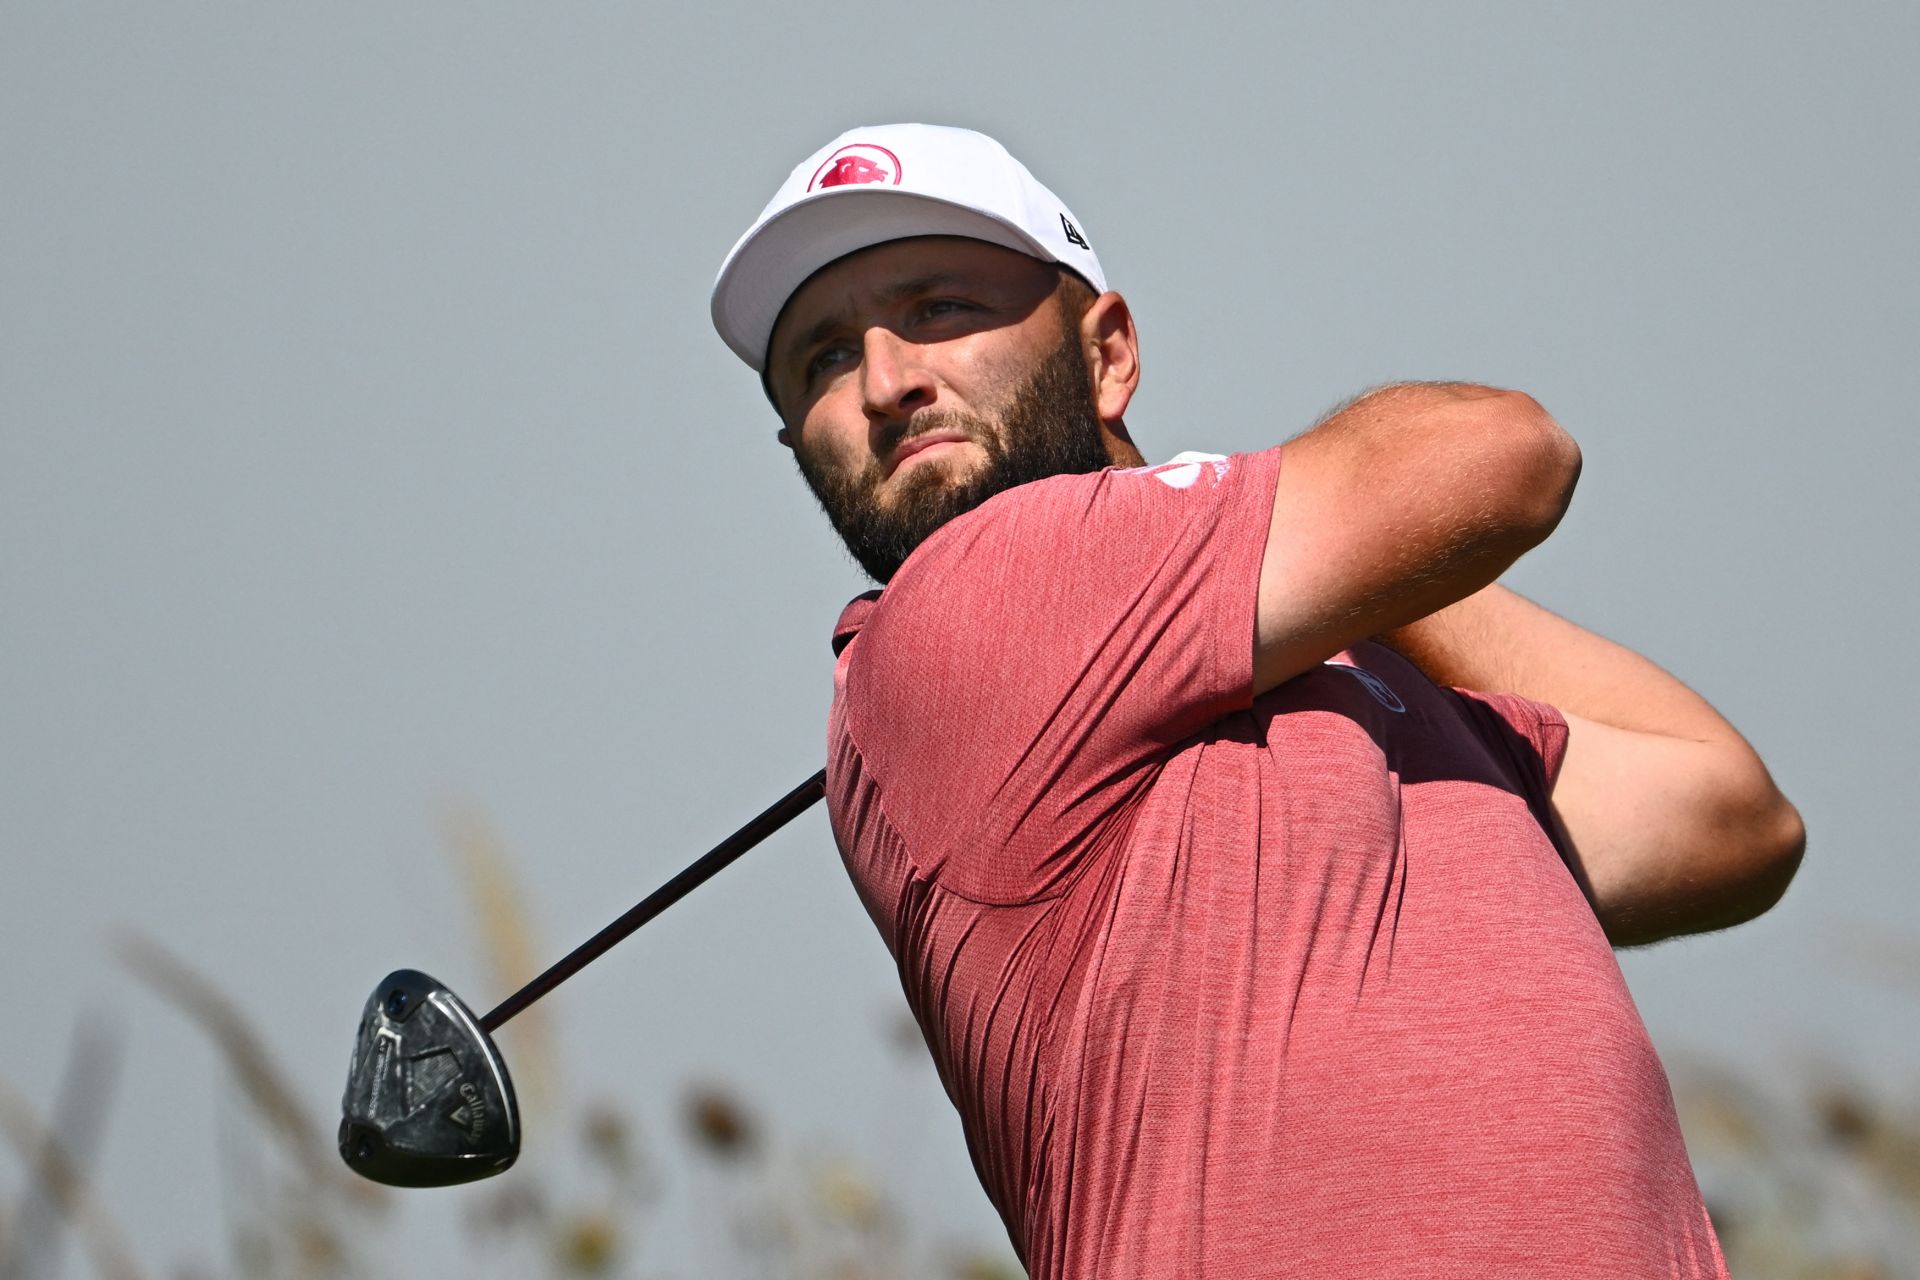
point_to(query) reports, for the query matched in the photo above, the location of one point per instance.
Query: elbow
(1549, 466)
(1775, 850)
(1535, 464)
(1734, 867)
(1770, 845)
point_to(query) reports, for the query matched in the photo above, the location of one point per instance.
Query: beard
(1051, 429)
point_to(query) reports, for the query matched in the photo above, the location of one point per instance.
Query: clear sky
(365, 451)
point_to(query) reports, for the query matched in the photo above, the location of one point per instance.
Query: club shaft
(777, 815)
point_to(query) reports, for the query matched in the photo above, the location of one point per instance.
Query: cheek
(989, 372)
(826, 436)
(826, 451)
(976, 371)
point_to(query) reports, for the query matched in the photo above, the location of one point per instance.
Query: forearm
(1499, 641)
(1671, 822)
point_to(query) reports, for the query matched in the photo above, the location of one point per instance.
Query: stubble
(1050, 428)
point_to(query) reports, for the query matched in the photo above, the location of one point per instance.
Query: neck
(1120, 446)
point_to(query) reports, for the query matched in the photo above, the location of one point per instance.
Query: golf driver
(429, 1102)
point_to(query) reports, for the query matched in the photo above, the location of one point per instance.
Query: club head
(428, 1101)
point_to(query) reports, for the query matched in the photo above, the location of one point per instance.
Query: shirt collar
(852, 618)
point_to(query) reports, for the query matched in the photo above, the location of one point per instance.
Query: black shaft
(778, 815)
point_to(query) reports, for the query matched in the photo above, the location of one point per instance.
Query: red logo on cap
(857, 163)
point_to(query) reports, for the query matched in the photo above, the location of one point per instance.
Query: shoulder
(1057, 526)
(1076, 555)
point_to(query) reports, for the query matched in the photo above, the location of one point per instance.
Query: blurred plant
(275, 1103)
(1824, 1185)
(303, 1215)
(718, 1123)
(1820, 1185)
(581, 1208)
(32, 1240)
(508, 946)
(60, 1183)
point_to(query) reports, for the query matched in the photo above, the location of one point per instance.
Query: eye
(935, 307)
(825, 359)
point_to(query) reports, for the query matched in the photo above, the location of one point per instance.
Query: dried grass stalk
(60, 1180)
(261, 1081)
(508, 943)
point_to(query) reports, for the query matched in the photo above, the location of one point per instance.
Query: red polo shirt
(1226, 986)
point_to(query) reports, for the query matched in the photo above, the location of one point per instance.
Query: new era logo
(1073, 233)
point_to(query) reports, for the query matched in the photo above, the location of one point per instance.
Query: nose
(894, 377)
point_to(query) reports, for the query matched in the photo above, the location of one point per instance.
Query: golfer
(1253, 863)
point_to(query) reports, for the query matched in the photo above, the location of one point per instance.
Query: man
(1246, 945)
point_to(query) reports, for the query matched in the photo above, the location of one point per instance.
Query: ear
(1113, 357)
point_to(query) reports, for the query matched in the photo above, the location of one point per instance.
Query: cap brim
(778, 256)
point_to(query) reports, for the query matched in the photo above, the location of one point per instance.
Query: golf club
(429, 1102)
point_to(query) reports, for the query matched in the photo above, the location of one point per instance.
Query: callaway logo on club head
(471, 1114)
(855, 164)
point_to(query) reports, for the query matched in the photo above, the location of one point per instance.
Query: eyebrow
(827, 325)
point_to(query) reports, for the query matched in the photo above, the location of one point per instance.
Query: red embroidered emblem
(855, 164)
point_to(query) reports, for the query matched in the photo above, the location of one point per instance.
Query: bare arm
(1673, 823)
(1399, 504)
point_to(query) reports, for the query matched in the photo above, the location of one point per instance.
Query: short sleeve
(1528, 738)
(1031, 664)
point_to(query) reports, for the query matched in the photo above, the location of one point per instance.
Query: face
(919, 378)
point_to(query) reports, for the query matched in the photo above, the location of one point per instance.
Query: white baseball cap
(880, 183)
